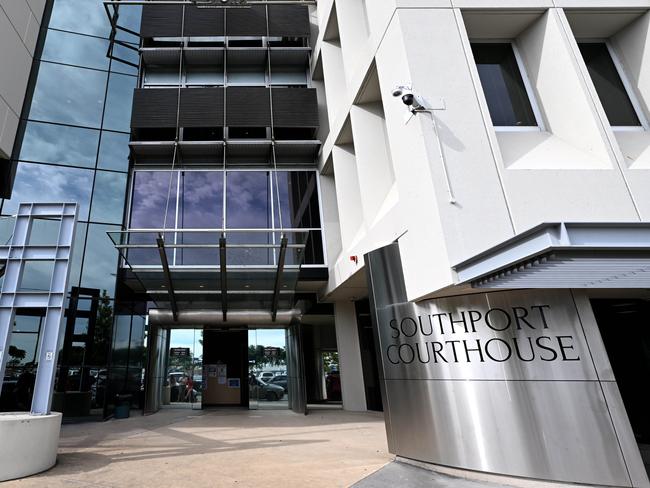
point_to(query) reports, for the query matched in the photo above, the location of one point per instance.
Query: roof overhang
(565, 255)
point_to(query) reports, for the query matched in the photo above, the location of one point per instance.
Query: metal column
(16, 254)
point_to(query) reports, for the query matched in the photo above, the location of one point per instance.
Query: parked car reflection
(262, 390)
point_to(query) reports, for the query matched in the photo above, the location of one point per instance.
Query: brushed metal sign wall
(500, 382)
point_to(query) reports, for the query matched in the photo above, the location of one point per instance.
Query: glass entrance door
(183, 385)
(268, 375)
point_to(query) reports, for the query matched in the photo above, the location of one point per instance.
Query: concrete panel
(347, 340)
(19, 14)
(38, 8)
(16, 64)
(479, 213)
(8, 128)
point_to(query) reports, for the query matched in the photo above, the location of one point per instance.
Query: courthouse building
(440, 207)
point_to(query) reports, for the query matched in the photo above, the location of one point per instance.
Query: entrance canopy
(565, 255)
(198, 269)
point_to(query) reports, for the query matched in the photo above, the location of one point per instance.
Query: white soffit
(565, 255)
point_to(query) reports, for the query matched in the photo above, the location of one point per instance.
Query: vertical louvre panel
(204, 22)
(248, 107)
(154, 108)
(246, 21)
(201, 107)
(161, 21)
(295, 107)
(288, 21)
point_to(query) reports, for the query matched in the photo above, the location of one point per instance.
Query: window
(45, 183)
(609, 85)
(75, 49)
(108, 197)
(253, 200)
(69, 95)
(503, 85)
(59, 144)
(119, 98)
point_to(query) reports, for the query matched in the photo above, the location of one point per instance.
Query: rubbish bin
(122, 406)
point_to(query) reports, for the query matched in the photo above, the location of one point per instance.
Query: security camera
(411, 100)
(399, 90)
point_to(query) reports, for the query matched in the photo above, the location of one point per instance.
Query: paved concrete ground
(219, 448)
(405, 475)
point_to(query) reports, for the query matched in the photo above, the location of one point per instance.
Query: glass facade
(195, 199)
(75, 148)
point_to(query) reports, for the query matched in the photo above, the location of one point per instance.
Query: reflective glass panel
(298, 200)
(503, 85)
(44, 232)
(122, 331)
(26, 323)
(248, 200)
(84, 16)
(150, 199)
(59, 144)
(81, 325)
(124, 53)
(45, 183)
(68, 48)
(130, 17)
(77, 254)
(114, 151)
(201, 204)
(608, 84)
(69, 95)
(108, 197)
(25, 347)
(37, 276)
(200, 207)
(100, 263)
(117, 115)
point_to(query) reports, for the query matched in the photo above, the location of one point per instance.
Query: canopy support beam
(278, 276)
(224, 278)
(160, 241)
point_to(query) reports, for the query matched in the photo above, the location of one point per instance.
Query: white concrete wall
(347, 340)
(576, 168)
(19, 27)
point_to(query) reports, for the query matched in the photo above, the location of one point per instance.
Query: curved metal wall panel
(502, 382)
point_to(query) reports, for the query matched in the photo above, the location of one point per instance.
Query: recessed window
(609, 85)
(503, 85)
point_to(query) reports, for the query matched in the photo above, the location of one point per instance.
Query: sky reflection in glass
(45, 183)
(59, 144)
(69, 95)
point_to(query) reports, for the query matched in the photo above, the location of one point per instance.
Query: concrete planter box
(28, 443)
